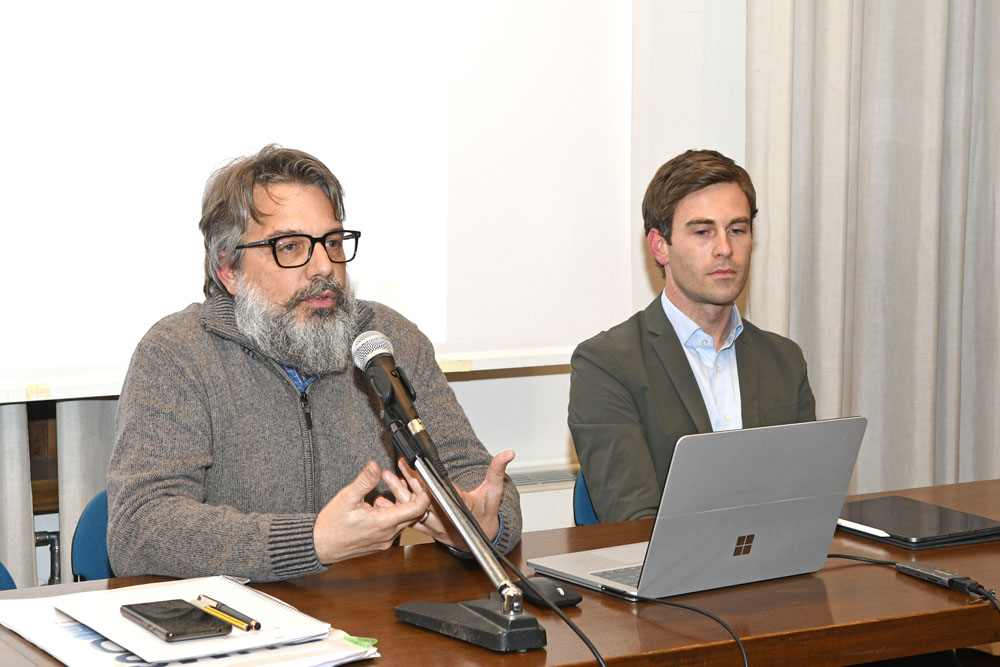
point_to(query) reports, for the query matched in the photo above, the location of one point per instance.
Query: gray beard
(317, 346)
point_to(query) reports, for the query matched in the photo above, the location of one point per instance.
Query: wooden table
(846, 613)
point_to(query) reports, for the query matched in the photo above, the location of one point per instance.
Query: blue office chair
(6, 581)
(583, 509)
(90, 541)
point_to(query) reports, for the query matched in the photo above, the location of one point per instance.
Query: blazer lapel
(749, 374)
(671, 354)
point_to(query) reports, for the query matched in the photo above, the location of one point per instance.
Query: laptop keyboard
(628, 576)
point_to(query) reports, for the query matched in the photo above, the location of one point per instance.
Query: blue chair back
(6, 581)
(583, 508)
(90, 541)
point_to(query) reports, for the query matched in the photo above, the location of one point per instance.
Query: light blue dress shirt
(715, 372)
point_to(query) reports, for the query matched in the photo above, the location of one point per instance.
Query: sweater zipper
(311, 472)
(306, 410)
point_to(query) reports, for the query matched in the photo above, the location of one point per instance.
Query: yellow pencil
(227, 618)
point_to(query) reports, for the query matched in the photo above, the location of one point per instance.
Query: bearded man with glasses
(242, 425)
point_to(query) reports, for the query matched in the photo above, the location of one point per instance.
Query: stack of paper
(102, 636)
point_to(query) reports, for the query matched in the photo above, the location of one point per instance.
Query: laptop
(912, 524)
(737, 507)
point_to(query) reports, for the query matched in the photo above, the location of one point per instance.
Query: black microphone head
(367, 345)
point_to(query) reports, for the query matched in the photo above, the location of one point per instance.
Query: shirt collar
(301, 381)
(687, 329)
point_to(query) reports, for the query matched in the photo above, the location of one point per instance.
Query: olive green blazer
(633, 394)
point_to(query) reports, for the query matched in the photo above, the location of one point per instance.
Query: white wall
(483, 148)
(115, 114)
(526, 413)
(538, 172)
(686, 89)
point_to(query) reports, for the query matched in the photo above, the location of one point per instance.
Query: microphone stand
(499, 622)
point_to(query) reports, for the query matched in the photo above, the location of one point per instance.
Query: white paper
(76, 644)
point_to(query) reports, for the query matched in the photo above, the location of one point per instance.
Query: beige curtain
(873, 137)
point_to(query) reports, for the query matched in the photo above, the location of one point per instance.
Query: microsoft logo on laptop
(743, 545)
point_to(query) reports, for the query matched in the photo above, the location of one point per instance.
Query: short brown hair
(228, 207)
(689, 172)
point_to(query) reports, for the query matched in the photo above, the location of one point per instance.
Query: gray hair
(227, 206)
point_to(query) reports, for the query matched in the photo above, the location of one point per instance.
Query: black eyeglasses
(294, 250)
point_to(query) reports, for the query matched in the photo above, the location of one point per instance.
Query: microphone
(499, 622)
(373, 355)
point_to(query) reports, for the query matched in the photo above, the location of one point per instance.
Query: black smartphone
(175, 620)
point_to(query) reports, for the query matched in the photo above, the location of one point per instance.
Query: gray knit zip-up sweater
(220, 464)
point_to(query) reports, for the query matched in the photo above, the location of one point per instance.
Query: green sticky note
(363, 642)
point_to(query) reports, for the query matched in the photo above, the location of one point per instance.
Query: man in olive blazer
(633, 395)
(634, 389)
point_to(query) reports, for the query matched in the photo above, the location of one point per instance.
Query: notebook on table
(737, 507)
(913, 524)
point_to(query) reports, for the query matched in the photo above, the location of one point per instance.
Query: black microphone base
(478, 622)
